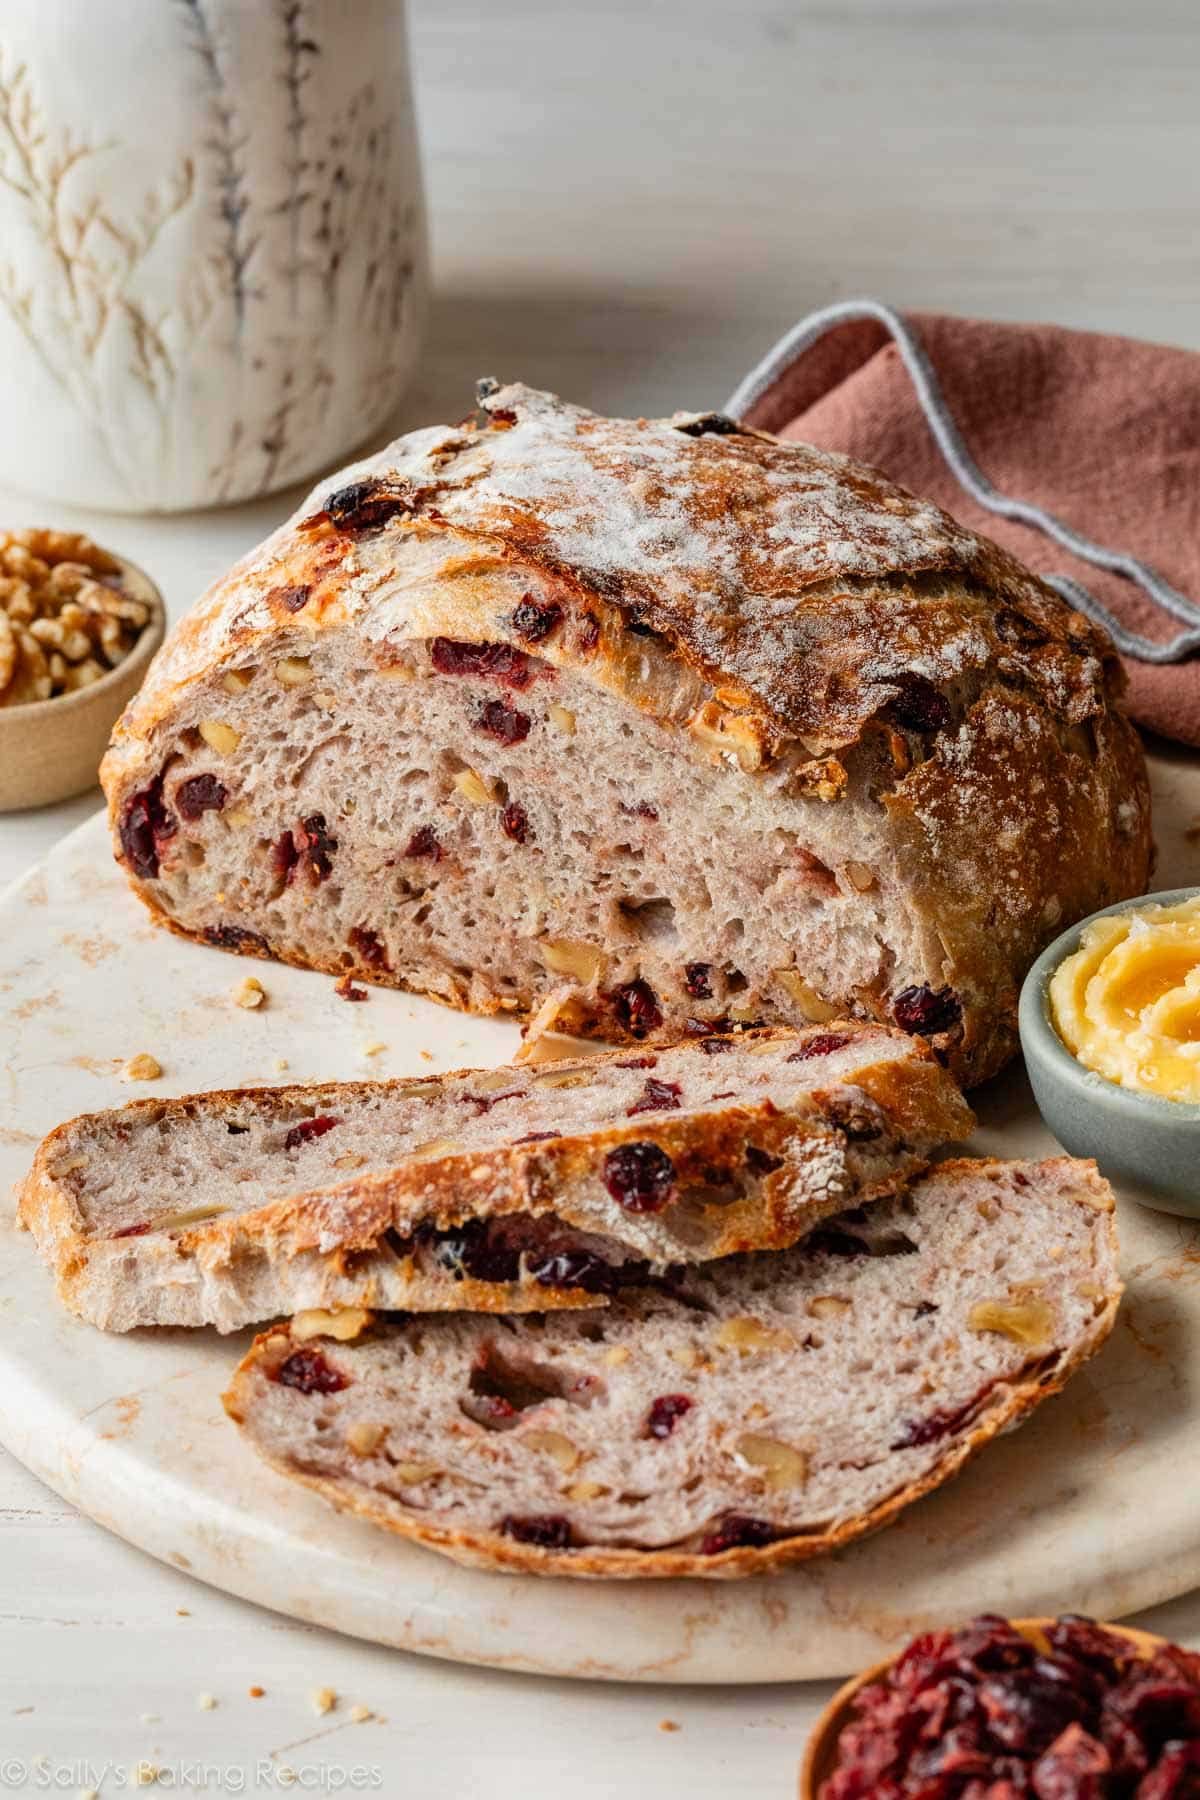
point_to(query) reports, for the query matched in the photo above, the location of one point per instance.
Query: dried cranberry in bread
(506, 1189)
(650, 721)
(776, 1408)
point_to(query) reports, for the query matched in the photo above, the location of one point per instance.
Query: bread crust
(791, 597)
(1012, 1402)
(322, 1243)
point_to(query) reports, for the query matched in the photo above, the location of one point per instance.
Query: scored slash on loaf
(505, 1189)
(772, 1408)
(647, 726)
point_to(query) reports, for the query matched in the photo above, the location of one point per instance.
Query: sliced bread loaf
(505, 1189)
(771, 1409)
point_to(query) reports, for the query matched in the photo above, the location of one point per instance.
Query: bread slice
(656, 720)
(774, 1408)
(506, 1189)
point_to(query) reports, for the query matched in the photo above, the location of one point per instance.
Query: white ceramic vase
(212, 243)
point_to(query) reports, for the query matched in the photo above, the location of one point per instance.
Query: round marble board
(1089, 1507)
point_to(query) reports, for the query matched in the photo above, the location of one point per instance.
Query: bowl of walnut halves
(78, 627)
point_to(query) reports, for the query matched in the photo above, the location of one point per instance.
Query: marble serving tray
(1089, 1507)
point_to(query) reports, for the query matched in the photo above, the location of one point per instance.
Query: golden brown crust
(1067, 811)
(918, 1098)
(490, 1550)
(789, 594)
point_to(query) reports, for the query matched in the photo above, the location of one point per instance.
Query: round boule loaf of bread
(643, 727)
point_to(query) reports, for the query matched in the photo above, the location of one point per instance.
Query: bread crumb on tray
(141, 1068)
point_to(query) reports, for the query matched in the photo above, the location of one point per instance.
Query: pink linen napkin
(1078, 451)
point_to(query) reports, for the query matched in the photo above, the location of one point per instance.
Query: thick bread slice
(231, 1208)
(648, 720)
(777, 1408)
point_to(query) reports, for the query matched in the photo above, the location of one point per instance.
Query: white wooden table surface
(631, 200)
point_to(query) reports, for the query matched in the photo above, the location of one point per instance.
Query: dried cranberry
(133, 1230)
(308, 1128)
(496, 719)
(293, 599)
(316, 847)
(921, 1010)
(637, 1062)
(366, 505)
(823, 1044)
(424, 843)
(346, 990)
(235, 937)
(284, 858)
(697, 980)
(1027, 1709)
(369, 946)
(200, 794)
(656, 1096)
(514, 822)
(938, 1425)
(918, 705)
(1156, 1704)
(1089, 1643)
(712, 424)
(1175, 1776)
(665, 1413)
(310, 1373)
(145, 826)
(497, 662)
(578, 1269)
(713, 1046)
(737, 1531)
(534, 620)
(549, 1531)
(480, 1249)
(640, 1177)
(636, 1007)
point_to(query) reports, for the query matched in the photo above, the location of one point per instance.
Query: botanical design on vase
(222, 335)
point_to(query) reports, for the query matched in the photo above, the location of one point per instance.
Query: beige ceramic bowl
(821, 1756)
(51, 749)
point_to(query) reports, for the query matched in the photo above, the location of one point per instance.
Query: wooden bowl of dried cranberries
(1015, 1709)
(78, 627)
